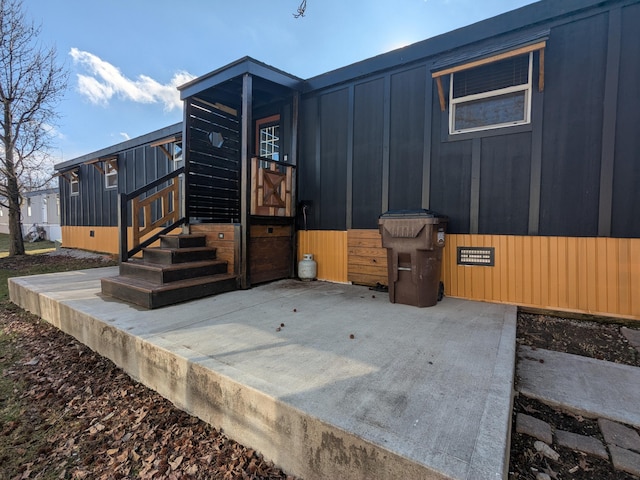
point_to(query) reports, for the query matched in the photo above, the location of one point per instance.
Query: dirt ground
(596, 339)
(66, 412)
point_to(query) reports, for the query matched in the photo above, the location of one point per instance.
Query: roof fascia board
(120, 147)
(235, 70)
(519, 19)
(44, 191)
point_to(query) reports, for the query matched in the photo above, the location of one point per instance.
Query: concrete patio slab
(326, 380)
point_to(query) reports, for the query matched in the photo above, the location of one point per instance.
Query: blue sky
(126, 57)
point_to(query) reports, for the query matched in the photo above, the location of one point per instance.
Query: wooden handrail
(169, 198)
(154, 184)
(277, 162)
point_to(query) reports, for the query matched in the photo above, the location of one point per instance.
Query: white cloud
(125, 135)
(53, 131)
(104, 81)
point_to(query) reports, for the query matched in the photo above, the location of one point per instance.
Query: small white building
(40, 210)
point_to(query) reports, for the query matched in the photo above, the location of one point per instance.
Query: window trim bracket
(538, 46)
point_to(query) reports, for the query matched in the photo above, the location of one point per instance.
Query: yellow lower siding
(329, 249)
(98, 239)
(104, 239)
(597, 276)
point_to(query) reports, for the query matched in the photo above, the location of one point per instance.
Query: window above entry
(268, 137)
(491, 92)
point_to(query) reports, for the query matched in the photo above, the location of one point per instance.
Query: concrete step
(183, 241)
(161, 273)
(152, 295)
(169, 256)
(581, 384)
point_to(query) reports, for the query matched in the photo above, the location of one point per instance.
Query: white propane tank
(307, 267)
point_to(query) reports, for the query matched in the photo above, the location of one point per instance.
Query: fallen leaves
(83, 418)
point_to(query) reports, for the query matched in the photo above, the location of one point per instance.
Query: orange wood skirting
(225, 237)
(597, 276)
(367, 260)
(329, 249)
(103, 240)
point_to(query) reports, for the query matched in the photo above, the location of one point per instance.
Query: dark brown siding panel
(572, 136)
(333, 151)
(271, 251)
(504, 184)
(626, 174)
(406, 139)
(367, 153)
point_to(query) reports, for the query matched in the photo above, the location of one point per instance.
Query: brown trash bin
(414, 240)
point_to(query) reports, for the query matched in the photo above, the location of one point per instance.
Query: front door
(271, 232)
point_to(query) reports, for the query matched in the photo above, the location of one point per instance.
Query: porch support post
(123, 223)
(186, 159)
(294, 194)
(245, 177)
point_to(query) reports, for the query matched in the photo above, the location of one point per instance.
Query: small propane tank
(307, 267)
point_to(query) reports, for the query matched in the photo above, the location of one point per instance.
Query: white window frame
(271, 142)
(110, 172)
(74, 186)
(526, 87)
(176, 151)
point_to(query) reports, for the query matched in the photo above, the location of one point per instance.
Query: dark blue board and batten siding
(96, 205)
(626, 172)
(381, 142)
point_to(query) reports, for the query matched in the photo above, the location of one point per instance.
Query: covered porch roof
(224, 85)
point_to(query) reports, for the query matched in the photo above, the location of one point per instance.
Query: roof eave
(237, 69)
(120, 147)
(522, 18)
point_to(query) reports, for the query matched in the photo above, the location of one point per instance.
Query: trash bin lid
(418, 213)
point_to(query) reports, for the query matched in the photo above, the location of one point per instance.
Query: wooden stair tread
(152, 295)
(179, 249)
(186, 235)
(182, 268)
(174, 266)
(147, 286)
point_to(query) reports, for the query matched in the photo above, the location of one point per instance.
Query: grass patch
(31, 248)
(36, 265)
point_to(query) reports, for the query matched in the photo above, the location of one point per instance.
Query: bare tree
(31, 83)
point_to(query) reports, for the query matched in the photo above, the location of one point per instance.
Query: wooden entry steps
(182, 268)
